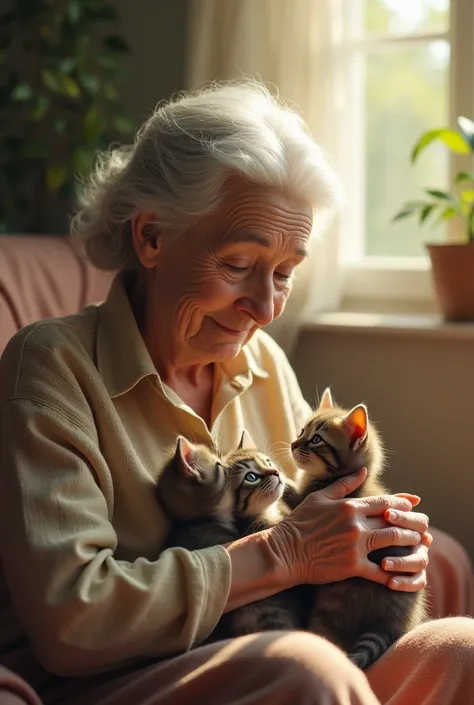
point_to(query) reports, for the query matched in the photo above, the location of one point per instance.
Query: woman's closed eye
(237, 268)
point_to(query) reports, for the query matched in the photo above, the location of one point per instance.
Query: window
(407, 67)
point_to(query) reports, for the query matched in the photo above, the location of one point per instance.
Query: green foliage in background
(60, 64)
(458, 203)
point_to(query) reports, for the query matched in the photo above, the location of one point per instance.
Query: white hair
(182, 158)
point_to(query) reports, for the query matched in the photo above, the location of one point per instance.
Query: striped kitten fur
(212, 500)
(360, 616)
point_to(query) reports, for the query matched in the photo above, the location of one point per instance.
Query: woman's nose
(259, 304)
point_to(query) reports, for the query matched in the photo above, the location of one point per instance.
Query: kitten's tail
(368, 649)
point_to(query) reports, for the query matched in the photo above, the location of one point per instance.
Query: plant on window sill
(452, 263)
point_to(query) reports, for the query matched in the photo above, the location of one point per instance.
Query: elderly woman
(207, 216)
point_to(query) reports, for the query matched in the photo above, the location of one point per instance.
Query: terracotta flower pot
(453, 278)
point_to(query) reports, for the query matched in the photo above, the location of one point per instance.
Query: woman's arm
(82, 608)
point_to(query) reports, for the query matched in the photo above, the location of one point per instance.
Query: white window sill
(422, 325)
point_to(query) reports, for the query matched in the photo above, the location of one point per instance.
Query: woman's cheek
(216, 292)
(280, 302)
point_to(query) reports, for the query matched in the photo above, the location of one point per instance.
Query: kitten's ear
(246, 441)
(184, 458)
(326, 400)
(357, 424)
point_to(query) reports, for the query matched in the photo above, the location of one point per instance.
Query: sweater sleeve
(83, 610)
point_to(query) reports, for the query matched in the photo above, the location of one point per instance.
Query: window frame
(404, 280)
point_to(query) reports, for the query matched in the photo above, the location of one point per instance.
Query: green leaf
(67, 65)
(463, 176)
(448, 213)
(50, 80)
(21, 92)
(92, 125)
(110, 91)
(70, 87)
(404, 213)
(108, 63)
(90, 82)
(74, 11)
(467, 196)
(123, 124)
(425, 211)
(445, 195)
(467, 130)
(39, 108)
(450, 138)
(82, 158)
(115, 44)
(60, 83)
(55, 177)
(59, 125)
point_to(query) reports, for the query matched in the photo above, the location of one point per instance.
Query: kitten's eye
(251, 477)
(316, 439)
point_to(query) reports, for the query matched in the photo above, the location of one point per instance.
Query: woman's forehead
(258, 215)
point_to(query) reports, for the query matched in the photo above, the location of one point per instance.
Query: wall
(156, 31)
(419, 387)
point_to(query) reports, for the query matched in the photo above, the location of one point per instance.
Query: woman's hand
(413, 565)
(328, 538)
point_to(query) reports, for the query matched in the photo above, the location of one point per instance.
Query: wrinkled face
(256, 481)
(228, 275)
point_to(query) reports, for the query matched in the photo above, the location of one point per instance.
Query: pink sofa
(41, 277)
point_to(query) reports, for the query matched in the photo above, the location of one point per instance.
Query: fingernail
(395, 582)
(392, 515)
(416, 536)
(389, 565)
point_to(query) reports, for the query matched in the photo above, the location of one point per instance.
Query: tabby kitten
(360, 616)
(210, 501)
(195, 493)
(257, 510)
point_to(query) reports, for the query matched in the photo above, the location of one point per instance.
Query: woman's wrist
(257, 571)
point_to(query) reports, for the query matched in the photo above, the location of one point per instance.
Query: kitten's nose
(275, 472)
(295, 444)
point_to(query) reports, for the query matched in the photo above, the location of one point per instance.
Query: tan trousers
(433, 665)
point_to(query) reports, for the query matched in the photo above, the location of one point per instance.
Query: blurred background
(78, 75)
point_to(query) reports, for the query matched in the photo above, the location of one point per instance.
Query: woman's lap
(433, 665)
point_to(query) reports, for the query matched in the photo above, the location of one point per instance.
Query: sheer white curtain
(292, 44)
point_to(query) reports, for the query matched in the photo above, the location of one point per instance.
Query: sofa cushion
(43, 276)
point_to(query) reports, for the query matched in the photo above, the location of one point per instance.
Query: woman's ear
(145, 237)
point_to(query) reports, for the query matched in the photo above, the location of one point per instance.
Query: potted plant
(452, 263)
(61, 64)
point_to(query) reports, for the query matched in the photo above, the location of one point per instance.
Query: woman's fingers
(380, 504)
(408, 583)
(427, 539)
(392, 536)
(416, 521)
(413, 563)
(345, 485)
(413, 498)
